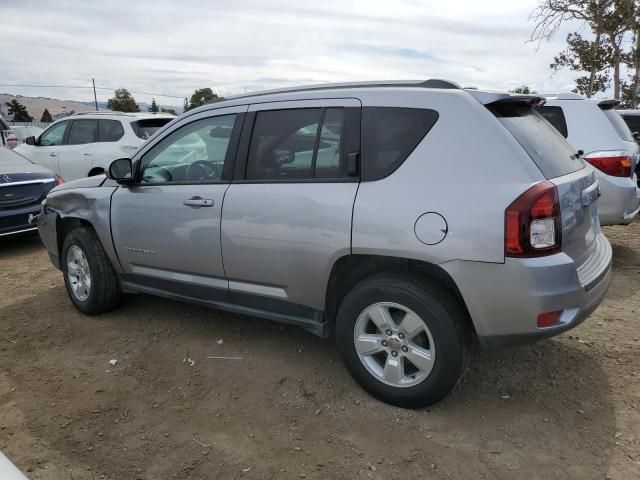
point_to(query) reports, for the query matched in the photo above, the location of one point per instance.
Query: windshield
(145, 128)
(619, 124)
(546, 147)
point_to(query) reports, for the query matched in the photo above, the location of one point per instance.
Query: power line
(87, 87)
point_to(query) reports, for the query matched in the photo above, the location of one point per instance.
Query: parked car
(426, 212)
(23, 186)
(84, 144)
(597, 129)
(21, 133)
(7, 138)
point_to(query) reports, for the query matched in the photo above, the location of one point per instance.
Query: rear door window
(389, 135)
(83, 131)
(544, 144)
(555, 116)
(618, 124)
(147, 127)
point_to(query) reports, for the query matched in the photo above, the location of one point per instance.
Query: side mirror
(636, 135)
(30, 140)
(121, 171)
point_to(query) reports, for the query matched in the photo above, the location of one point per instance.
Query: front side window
(110, 131)
(54, 135)
(389, 135)
(195, 153)
(83, 131)
(296, 144)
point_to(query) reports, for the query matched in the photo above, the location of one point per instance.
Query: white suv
(84, 144)
(596, 129)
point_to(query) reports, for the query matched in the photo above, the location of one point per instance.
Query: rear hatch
(576, 185)
(145, 128)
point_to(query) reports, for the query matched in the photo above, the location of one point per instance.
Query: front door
(166, 227)
(47, 149)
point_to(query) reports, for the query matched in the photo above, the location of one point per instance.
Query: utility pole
(95, 97)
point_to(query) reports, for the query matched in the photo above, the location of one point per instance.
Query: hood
(87, 182)
(14, 168)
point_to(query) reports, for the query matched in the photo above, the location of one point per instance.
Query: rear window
(145, 128)
(544, 144)
(555, 116)
(389, 135)
(618, 123)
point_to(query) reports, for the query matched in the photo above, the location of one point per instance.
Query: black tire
(105, 293)
(440, 311)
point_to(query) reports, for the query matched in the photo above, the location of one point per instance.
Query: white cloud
(174, 47)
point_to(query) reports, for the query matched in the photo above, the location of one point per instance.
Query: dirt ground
(566, 408)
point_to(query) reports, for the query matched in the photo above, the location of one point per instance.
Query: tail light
(532, 223)
(59, 180)
(616, 164)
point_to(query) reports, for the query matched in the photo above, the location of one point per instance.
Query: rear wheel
(402, 339)
(91, 282)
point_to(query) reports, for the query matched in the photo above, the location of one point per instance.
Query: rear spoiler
(499, 98)
(608, 104)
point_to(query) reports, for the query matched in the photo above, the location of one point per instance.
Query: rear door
(287, 214)
(558, 162)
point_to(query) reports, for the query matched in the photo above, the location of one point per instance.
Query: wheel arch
(349, 270)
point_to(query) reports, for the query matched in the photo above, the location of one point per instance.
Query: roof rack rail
(431, 83)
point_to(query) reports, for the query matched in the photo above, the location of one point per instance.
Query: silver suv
(396, 217)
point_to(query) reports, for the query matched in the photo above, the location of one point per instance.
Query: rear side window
(633, 122)
(296, 144)
(110, 131)
(145, 128)
(555, 116)
(618, 123)
(544, 144)
(389, 135)
(83, 131)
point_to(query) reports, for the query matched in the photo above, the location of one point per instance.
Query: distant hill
(36, 105)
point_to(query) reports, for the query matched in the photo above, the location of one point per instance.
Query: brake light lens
(532, 223)
(616, 164)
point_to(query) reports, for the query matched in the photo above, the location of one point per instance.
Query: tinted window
(633, 122)
(618, 123)
(83, 131)
(110, 131)
(195, 153)
(544, 144)
(54, 135)
(389, 135)
(145, 128)
(555, 116)
(290, 145)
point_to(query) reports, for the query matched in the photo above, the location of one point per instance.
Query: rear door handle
(87, 154)
(52, 154)
(198, 202)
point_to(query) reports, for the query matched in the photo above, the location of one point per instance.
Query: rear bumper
(504, 300)
(620, 200)
(17, 220)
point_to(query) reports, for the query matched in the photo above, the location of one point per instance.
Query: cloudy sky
(174, 46)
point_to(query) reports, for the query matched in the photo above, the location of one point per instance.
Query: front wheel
(91, 282)
(402, 339)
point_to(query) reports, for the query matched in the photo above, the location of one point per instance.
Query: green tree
(185, 106)
(154, 106)
(18, 111)
(200, 97)
(168, 110)
(122, 101)
(46, 117)
(523, 89)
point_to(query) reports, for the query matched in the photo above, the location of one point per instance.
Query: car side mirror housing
(121, 170)
(636, 135)
(30, 140)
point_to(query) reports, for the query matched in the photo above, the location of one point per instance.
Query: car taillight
(59, 180)
(532, 223)
(616, 164)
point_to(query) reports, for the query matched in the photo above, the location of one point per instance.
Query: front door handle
(198, 202)
(87, 154)
(53, 154)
